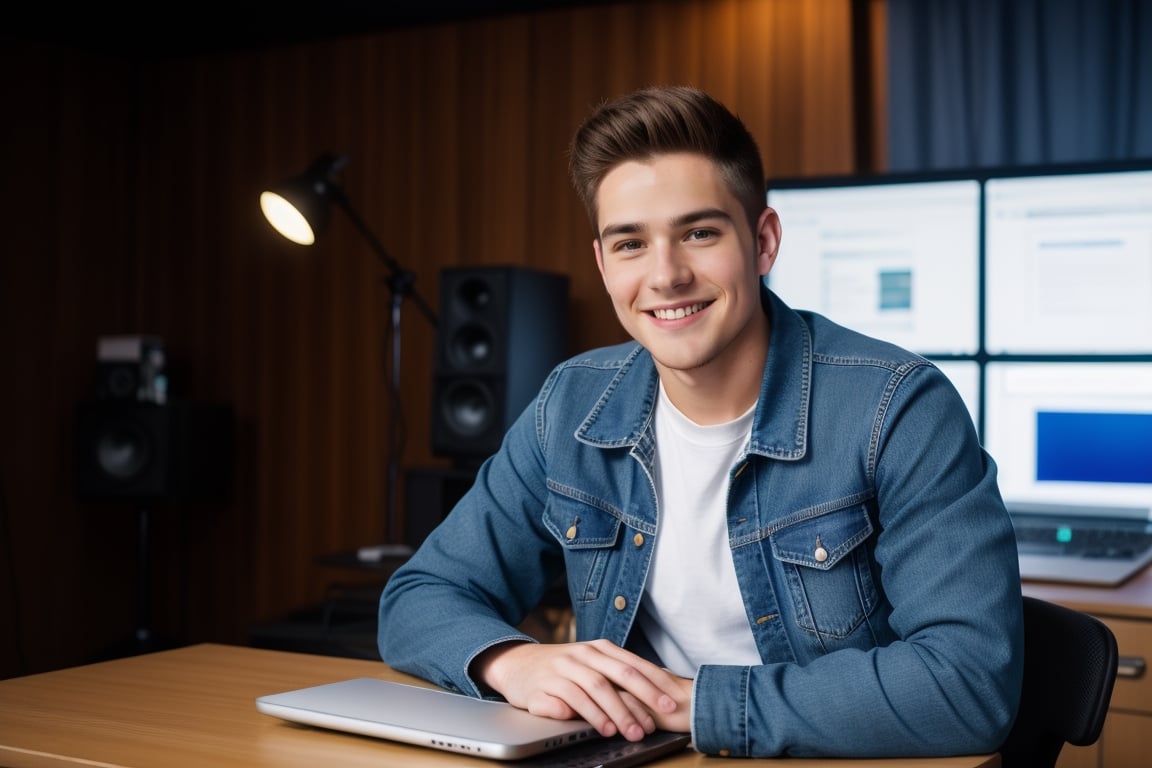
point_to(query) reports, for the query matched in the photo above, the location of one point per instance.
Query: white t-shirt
(692, 613)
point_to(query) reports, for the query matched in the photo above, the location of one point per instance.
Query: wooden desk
(195, 707)
(1132, 599)
(1126, 740)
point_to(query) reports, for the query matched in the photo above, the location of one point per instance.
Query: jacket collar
(623, 414)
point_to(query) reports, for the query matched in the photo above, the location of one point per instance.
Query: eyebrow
(684, 219)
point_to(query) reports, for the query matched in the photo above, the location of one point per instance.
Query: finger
(593, 698)
(642, 714)
(657, 688)
(546, 705)
(601, 701)
(655, 674)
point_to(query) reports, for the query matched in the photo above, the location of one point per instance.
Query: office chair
(1070, 663)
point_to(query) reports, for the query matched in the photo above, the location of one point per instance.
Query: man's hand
(614, 690)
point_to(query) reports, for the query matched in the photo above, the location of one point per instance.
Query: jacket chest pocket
(828, 570)
(588, 535)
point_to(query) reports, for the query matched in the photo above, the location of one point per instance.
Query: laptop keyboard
(615, 752)
(1104, 543)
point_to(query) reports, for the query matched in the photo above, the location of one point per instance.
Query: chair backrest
(1070, 661)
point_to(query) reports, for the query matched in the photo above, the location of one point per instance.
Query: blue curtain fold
(976, 83)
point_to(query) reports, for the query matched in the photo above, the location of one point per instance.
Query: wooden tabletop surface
(195, 707)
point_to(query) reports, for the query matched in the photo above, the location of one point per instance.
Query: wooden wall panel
(65, 264)
(877, 81)
(457, 138)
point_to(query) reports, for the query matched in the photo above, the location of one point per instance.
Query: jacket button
(620, 602)
(820, 554)
(570, 533)
(638, 539)
(724, 753)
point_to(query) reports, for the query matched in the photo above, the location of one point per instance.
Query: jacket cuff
(719, 718)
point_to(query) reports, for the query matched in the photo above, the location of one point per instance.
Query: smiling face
(683, 268)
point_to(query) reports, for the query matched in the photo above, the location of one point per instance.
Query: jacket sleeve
(466, 588)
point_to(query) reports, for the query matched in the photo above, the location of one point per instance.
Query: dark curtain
(1018, 82)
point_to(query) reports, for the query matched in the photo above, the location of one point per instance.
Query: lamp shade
(299, 208)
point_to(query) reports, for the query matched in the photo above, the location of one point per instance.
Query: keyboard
(1088, 541)
(614, 752)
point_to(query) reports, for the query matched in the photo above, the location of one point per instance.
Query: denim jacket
(875, 558)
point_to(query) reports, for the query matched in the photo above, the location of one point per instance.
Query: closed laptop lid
(425, 717)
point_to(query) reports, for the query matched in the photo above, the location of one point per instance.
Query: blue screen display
(1094, 447)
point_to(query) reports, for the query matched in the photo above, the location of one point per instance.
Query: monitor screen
(1068, 259)
(1074, 434)
(898, 260)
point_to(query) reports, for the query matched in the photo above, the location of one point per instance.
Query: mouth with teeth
(679, 312)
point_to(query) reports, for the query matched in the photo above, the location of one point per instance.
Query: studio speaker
(131, 368)
(501, 330)
(129, 450)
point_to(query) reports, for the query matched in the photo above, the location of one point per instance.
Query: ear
(767, 240)
(599, 256)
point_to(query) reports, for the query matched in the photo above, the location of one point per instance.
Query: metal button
(620, 602)
(571, 533)
(638, 539)
(820, 554)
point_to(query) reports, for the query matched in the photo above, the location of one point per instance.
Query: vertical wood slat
(457, 136)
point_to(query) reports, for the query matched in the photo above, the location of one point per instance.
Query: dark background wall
(129, 188)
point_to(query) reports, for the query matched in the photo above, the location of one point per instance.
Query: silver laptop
(439, 719)
(1073, 443)
(1101, 547)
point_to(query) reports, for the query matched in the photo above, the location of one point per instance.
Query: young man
(777, 534)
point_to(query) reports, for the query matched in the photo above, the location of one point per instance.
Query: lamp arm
(402, 284)
(401, 279)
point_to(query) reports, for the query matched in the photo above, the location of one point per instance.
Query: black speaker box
(141, 451)
(429, 495)
(501, 329)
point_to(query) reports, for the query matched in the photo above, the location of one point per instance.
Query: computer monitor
(1068, 259)
(896, 258)
(1072, 434)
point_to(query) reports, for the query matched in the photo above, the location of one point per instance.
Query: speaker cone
(122, 452)
(118, 381)
(475, 293)
(468, 408)
(141, 450)
(471, 346)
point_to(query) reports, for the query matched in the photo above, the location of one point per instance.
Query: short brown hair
(662, 120)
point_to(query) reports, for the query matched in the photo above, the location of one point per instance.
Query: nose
(670, 267)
